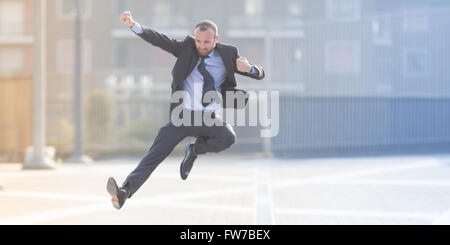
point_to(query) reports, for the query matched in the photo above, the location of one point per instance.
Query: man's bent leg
(166, 140)
(214, 139)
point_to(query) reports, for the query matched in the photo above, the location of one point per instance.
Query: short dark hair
(207, 24)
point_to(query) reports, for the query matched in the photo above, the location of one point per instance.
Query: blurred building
(251, 25)
(16, 47)
(135, 76)
(373, 79)
(354, 76)
(16, 37)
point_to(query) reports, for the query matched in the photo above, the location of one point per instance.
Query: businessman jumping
(203, 65)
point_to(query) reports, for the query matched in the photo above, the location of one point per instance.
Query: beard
(205, 52)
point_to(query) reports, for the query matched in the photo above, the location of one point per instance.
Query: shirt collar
(210, 55)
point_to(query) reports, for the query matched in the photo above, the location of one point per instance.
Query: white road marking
(45, 216)
(202, 206)
(174, 200)
(207, 177)
(361, 214)
(50, 195)
(35, 173)
(123, 172)
(264, 202)
(383, 182)
(328, 177)
(255, 196)
(443, 219)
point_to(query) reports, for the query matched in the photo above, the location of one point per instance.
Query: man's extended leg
(166, 140)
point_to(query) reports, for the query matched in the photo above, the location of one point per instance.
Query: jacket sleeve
(261, 74)
(160, 40)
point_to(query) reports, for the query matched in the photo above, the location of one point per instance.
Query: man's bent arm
(257, 72)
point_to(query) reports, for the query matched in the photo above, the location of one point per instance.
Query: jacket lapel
(225, 58)
(193, 62)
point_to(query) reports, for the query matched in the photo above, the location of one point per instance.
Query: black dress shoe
(118, 195)
(188, 161)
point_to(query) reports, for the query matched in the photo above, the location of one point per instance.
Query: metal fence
(379, 83)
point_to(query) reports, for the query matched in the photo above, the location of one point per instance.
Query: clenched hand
(243, 65)
(126, 18)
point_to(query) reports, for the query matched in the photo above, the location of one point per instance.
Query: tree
(99, 111)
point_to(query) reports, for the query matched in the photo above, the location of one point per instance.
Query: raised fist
(126, 18)
(243, 65)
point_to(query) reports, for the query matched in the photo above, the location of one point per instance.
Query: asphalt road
(236, 190)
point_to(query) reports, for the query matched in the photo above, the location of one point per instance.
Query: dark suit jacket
(187, 57)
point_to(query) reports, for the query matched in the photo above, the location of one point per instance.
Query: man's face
(205, 41)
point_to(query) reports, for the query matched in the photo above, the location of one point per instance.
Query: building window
(415, 18)
(67, 9)
(381, 31)
(11, 61)
(121, 118)
(122, 5)
(121, 56)
(343, 9)
(343, 57)
(145, 85)
(414, 62)
(66, 56)
(253, 7)
(295, 8)
(11, 18)
(161, 16)
(162, 8)
(298, 54)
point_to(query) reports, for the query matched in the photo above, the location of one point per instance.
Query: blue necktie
(208, 80)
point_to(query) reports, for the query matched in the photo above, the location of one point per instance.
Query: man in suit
(203, 65)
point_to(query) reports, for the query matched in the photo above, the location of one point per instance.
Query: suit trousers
(216, 138)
